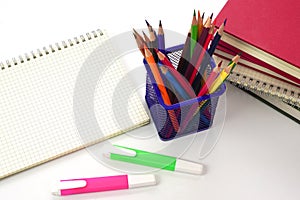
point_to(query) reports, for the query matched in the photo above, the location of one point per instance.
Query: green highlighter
(155, 160)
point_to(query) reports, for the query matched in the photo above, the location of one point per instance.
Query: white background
(257, 156)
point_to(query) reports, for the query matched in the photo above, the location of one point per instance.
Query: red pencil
(182, 81)
(206, 42)
(211, 78)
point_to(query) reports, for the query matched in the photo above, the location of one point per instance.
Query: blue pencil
(174, 82)
(216, 39)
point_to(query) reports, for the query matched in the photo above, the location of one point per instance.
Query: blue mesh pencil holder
(183, 112)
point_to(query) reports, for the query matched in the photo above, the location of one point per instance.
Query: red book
(266, 30)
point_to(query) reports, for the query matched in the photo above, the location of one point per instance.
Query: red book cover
(270, 25)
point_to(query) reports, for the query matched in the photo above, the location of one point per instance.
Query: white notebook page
(37, 104)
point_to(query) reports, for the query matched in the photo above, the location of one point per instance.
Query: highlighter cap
(135, 181)
(188, 167)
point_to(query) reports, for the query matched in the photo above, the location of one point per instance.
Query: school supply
(269, 64)
(102, 184)
(61, 99)
(155, 160)
(179, 116)
(262, 37)
(277, 93)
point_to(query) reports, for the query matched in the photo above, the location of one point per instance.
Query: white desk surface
(257, 156)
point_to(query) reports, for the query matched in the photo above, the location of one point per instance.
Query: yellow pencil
(223, 75)
(220, 79)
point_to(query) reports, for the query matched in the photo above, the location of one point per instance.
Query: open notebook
(62, 99)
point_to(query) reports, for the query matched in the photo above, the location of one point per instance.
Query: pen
(100, 184)
(155, 160)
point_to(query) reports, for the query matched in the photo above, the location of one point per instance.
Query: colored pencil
(148, 25)
(182, 81)
(201, 56)
(147, 40)
(139, 44)
(216, 39)
(194, 110)
(224, 74)
(177, 87)
(138, 35)
(220, 79)
(152, 43)
(196, 64)
(185, 56)
(164, 60)
(194, 34)
(200, 24)
(204, 33)
(213, 75)
(154, 69)
(152, 35)
(161, 37)
(153, 38)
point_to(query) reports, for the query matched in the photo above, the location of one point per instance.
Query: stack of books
(269, 68)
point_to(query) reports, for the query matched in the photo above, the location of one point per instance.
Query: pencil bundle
(195, 75)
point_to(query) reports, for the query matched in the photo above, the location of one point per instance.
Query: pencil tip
(220, 63)
(203, 15)
(225, 22)
(240, 53)
(147, 22)
(160, 23)
(194, 13)
(134, 35)
(211, 16)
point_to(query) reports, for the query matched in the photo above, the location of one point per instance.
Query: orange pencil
(200, 24)
(154, 69)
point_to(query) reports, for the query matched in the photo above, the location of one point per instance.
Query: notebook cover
(266, 24)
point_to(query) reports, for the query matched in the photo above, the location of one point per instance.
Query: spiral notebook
(63, 98)
(277, 93)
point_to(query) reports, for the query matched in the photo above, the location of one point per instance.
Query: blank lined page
(41, 116)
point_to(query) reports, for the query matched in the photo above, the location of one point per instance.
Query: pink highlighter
(100, 184)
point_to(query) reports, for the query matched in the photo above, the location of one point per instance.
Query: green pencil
(194, 34)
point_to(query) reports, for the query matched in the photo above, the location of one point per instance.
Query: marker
(101, 184)
(165, 162)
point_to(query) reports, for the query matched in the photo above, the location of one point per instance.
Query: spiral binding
(50, 49)
(289, 96)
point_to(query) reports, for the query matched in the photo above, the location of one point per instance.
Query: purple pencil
(161, 38)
